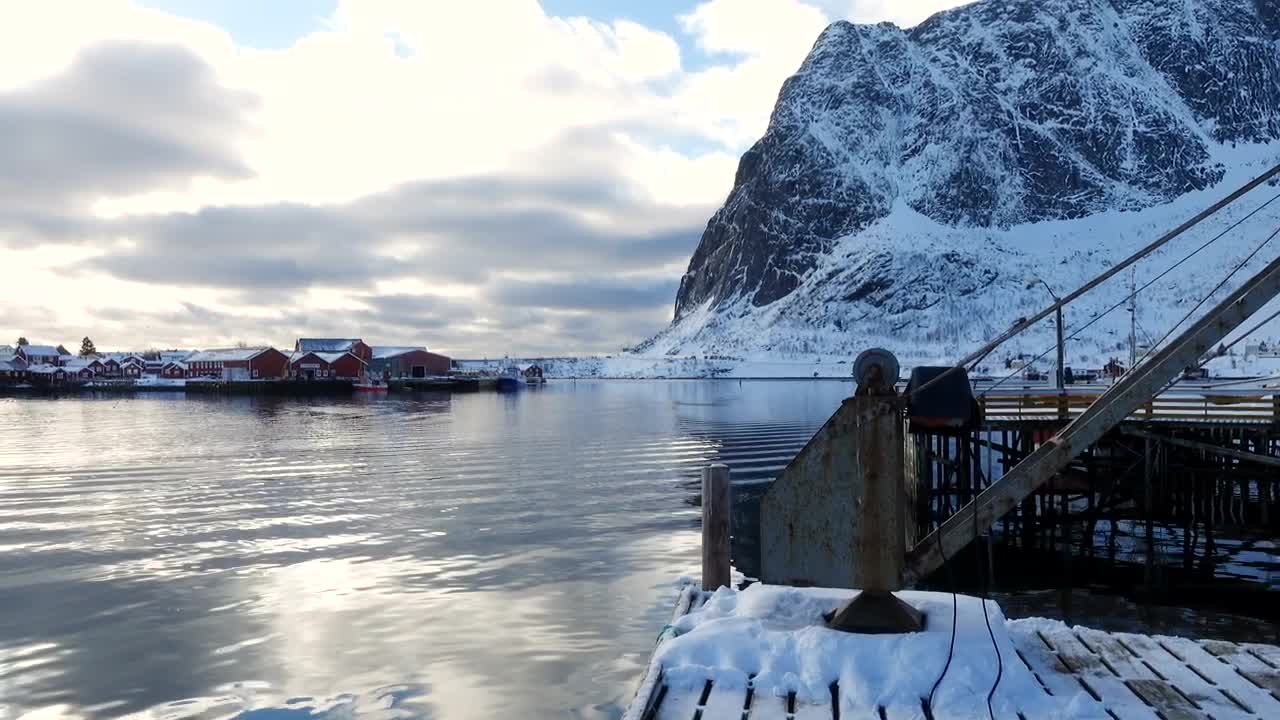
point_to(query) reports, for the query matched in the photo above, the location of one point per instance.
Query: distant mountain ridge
(908, 178)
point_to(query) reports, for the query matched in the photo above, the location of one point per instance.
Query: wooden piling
(716, 511)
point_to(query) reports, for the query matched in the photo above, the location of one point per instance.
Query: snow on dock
(764, 653)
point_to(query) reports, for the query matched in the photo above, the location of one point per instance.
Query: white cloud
(754, 27)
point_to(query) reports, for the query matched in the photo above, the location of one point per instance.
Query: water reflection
(413, 556)
(421, 555)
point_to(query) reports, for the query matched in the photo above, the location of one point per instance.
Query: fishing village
(314, 365)
(680, 360)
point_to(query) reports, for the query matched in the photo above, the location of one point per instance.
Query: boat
(510, 380)
(370, 386)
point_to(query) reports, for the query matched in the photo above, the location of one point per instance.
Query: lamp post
(1031, 282)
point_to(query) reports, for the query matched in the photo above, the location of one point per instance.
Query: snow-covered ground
(777, 637)
(767, 648)
(931, 292)
(155, 381)
(626, 366)
(936, 292)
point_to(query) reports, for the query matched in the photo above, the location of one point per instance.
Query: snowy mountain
(910, 181)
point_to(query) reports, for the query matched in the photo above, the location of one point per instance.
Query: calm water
(451, 557)
(471, 556)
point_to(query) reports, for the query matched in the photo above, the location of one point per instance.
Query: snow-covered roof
(119, 356)
(226, 354)
(381, 353)
(44, 369)
(326, 344)
(41, 350)
(10, 365)
(178, 363)
(328, 357)
(75, 363)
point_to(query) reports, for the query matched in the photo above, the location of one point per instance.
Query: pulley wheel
(876, 356)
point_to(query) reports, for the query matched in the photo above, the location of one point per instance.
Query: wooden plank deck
(1124, 676)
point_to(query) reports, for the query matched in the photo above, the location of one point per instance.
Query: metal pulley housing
(875, 371)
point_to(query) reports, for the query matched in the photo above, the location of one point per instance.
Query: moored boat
(510, 379)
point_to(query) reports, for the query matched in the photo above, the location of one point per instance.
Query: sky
(482, 178)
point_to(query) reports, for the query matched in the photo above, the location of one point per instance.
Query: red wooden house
(46, 374)
(132, 367)
(407, 362)
(262, 363)
(326, 366)
(12, 370)
(173, 369)
(39, 354)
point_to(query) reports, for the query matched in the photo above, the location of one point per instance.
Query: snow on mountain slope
(911, 180)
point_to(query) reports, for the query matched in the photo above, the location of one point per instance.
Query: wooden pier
(895, 486)
(1202, 463)
(1052, 671)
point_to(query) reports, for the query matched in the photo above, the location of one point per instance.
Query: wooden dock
(1052, 671)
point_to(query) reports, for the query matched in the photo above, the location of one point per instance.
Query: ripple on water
(431, 556)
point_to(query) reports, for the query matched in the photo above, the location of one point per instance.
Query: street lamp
(1032, 281)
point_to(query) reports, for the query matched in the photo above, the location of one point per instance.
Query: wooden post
(716, 511)
(1149, 508)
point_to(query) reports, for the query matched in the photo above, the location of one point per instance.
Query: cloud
(121, 119)
(453, 230)
(755, 28)
(604, 294)
(415, 312)
(275, 246)
(472, 178)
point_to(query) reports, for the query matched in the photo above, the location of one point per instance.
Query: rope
(982, 573)
(978, 355)
(1137, 291)
(1210, 294)
(955, 612)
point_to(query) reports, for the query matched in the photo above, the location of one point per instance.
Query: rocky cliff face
(899, 166)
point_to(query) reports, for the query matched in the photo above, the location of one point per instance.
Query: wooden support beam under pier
(1111, 408)
(1205, 447)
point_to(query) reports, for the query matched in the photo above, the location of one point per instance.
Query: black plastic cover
(948, 405)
